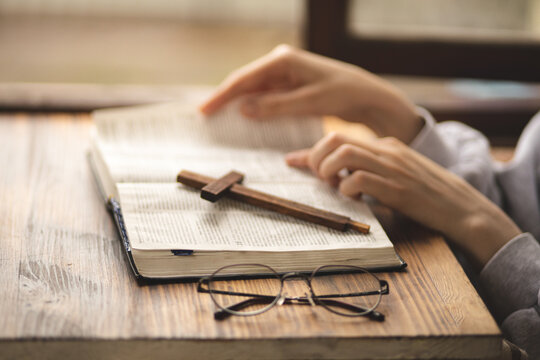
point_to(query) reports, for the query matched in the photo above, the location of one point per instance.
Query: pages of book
(144, 148)
(171, 216)
(153, 143)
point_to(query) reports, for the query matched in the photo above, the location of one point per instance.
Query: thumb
(300, 101)
(298, 158)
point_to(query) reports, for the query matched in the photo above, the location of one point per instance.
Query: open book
(169, 231)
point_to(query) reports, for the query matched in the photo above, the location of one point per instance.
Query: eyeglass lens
(245, 296)
(346, 290)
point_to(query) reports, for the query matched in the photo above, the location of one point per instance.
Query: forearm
(397, 118)
(483, 229)
(383, 107)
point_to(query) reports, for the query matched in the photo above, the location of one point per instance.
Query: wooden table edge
(456, 347)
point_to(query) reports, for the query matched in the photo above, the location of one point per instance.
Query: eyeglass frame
(280, 299)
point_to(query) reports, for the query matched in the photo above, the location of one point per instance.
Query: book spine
(116, 211)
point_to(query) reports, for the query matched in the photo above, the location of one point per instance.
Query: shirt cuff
(511, 278)
(430, 143)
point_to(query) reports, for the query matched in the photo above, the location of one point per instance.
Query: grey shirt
(511, 279)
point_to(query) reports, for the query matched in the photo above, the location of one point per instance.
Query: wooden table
(67, 292)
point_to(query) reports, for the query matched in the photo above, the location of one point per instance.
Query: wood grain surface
(214, 190)
(67, 292)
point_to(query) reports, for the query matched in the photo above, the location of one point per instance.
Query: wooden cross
(229, 185)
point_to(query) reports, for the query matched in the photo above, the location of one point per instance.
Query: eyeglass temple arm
(372, 315)
(383, 291)
(201, 288)
(223, 314)
(383, 284)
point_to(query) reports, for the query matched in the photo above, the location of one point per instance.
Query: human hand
(289, 81)
(410, 183)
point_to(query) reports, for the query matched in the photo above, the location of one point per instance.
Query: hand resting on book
(290, 81)
(407, 181)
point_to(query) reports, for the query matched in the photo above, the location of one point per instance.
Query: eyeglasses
(344, 290)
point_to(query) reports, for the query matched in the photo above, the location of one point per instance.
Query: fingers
(300, 101)
(331, 143)
(323, 148)
(221, 97)
(379, 168)
(254, 76)
(351, 157)
(363, 182)
(237, 83)
(298, 158)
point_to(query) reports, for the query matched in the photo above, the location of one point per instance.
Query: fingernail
(292, 159)
(203, 109)
(250, 108)
(289, 157)
(206, 106)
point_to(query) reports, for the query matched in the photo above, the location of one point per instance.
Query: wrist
(483, 233)
(401, 122)
(393, 114)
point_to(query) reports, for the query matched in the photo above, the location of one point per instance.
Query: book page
(173, 216)
(153, 143)
(145, 148)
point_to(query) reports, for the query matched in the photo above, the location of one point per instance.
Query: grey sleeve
(460, 149)
(511, 283)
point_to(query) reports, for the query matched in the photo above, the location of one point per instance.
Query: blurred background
(471, 60)
(130, 41)
(200, 41)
